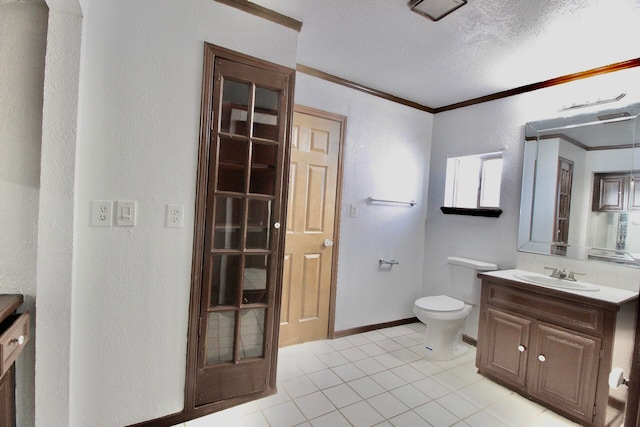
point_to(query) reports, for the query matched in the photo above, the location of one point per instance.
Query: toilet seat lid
(440, 303)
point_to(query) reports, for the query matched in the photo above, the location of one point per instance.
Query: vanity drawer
(14, 335)
(572, 315)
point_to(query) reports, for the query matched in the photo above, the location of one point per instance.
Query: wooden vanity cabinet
(14, 335)
(550, 349)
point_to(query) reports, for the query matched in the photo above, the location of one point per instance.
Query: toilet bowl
(445, 315)
(444, 318)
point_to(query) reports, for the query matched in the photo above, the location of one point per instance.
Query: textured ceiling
(487, 46)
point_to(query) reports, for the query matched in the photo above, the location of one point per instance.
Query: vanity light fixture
(587, 104)
(435, 9)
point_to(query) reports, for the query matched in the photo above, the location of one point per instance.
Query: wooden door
(238, 266)
(564, 369)
(505, 352)
(313, 204)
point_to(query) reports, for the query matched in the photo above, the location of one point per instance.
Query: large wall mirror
(579, 198)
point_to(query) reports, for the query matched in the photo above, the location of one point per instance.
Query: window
(473, 182)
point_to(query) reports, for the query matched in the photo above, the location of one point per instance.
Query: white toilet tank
(463, 281)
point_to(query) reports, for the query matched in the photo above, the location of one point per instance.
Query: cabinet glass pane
(220, 336)
(235, 101)
(255, 279)
(228, 223)
(265, 119)
(258, 226)
(252, 333)
(226, 273)
(233, 156)
(263, 167)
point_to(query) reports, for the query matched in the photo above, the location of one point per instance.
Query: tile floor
(380, 378)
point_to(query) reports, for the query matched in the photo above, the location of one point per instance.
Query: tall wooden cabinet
(547, 345)
(239, 236)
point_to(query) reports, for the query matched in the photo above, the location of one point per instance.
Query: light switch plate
(175, 216)
(126, 213)
(101, 213)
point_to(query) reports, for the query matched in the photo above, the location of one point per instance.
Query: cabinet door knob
(521, 348)
(276, 225)
(541, 358)
(19, 340)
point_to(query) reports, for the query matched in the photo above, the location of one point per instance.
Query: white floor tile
(314, 405)
(284, 415)
(370, 366)
(361, 414)
(436, 415)
(410, 396)
(458, 406)
(342, 395)
(409, 419)
(348, 372)
(514, 410)
(408, 373)
(373, 349)
(325, 379)
(366, 387)
(333, 359)
(300, 386)
(354, 354)
(380, 378)
(332, 419)
(482, 419)
(388, 405)
(431, 388)
(388, 380)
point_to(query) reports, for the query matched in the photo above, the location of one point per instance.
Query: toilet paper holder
(616, 378)
(390, 262)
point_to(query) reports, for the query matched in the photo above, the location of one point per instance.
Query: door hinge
(266, 381)
(594, 410)
(199, 326)
(602, 353)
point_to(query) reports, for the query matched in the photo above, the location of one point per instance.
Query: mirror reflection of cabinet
(610, 192)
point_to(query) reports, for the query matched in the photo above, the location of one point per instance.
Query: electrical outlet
(125, 213)
(101, 213)
(174, 216)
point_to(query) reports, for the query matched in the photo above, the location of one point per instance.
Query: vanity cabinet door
(609, 192)
(564, 369)
(506, 346)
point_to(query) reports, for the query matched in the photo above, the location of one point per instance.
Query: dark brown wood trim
(367, 328)
(336, 224)
(263, 12)
(184, 416)
(469, 340)
(362, 88)
(488, 212)
(632, 416)
(618, 66)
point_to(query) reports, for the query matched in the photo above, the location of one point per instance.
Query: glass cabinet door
(241, 244)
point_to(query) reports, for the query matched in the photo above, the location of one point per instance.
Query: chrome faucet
(562, 274)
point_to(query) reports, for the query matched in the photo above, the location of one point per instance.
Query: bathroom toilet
(445, 315)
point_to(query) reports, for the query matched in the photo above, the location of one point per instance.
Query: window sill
(488, 212)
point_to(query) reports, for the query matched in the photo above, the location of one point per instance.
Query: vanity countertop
(605, 296)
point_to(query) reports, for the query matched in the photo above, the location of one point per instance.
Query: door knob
(541, 358)
(328, 243)
(521, 348)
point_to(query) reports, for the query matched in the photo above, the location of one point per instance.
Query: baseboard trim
(367, 328)
(469, 340)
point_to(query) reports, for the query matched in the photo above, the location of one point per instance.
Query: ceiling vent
(435, 9)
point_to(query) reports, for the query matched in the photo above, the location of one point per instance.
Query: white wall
(386, 156)
(23, 28)
(123, 309)
(487, 127)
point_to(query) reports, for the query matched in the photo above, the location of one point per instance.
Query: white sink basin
(552, 282)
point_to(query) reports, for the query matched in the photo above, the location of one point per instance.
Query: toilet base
(444, 343)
